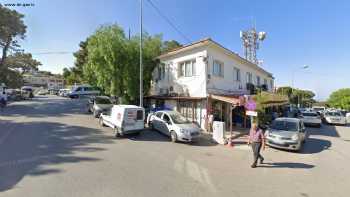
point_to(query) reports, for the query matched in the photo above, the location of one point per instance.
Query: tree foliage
(22, 62)
(110, 60)
(12, 27)
(170, 45)
(113, 62)
(340, 99)
(295, 96)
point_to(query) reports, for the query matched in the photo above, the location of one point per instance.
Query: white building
(43, 80)
(202, 77)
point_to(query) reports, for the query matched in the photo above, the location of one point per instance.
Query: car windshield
(284, 125)
(178, 118)
(100, 100)
(333, 114)
(310, 114)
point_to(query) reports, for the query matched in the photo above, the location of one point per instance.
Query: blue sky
(299, 32)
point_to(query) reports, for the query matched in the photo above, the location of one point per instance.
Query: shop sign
(250, 105)
(251, 113)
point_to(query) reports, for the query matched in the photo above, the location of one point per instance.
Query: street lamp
(293, 72)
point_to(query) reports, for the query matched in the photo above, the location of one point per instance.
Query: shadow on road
(286, 165)
(152, 135)
(43, 106)
(325, 130)
(315, 145)
(35, 149)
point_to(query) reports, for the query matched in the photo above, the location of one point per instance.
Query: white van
(81, 90)
(124, 119)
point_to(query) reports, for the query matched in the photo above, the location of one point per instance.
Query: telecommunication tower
(251, 40)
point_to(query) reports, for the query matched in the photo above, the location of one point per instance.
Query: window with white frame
(258, 80)
(236, 74)
(187, 68)
(249, 77)
(218, 68)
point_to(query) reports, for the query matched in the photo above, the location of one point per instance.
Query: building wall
(50, 82)
(194, 86)
(228, 82)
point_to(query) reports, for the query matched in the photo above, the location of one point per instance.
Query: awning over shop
(174, 97)
(227, 98)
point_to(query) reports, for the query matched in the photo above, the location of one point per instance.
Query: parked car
(174, 125)
(99, 104)
(27, 92)
(83, 90)
(43, 92)
(319, 108)
(63, 92)
(311, 118)
(347, 116)
(124, 119)
(334, 117)
(286, 133)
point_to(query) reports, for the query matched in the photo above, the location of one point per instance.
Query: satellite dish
(262, 35)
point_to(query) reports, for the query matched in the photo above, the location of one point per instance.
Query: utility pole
(141, 69)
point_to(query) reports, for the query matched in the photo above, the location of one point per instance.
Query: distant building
(43, 79)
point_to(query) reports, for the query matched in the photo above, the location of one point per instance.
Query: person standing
(257, 141)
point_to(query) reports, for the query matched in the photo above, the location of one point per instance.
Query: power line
(169, 21)
(53, 53)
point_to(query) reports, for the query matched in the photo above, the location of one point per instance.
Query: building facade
(205, 78)
(38, 79)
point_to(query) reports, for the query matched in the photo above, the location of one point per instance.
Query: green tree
(295, 96)
(22, 62)
(11, 28)
(169, 45)
(340, 99)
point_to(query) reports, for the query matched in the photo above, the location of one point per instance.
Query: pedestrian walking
(257, 141)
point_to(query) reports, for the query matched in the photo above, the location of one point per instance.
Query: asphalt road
(51, 147)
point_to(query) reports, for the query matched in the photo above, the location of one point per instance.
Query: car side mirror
(168, 122)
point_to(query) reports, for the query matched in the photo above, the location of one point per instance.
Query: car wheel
(116, 132)
(150, 125)
(100, 121)
(173, 136)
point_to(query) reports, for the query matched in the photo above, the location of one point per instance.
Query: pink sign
(250, 105)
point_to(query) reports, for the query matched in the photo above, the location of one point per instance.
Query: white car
(334, 117)
(124, 119)
(311, 118)
(173, 124)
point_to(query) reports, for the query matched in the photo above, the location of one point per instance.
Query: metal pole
(141, 69)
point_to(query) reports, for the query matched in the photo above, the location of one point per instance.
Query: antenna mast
(251, 40)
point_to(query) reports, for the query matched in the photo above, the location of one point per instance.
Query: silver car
(174, 125)
(286, 133)
(99, 104)
(334, 117)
